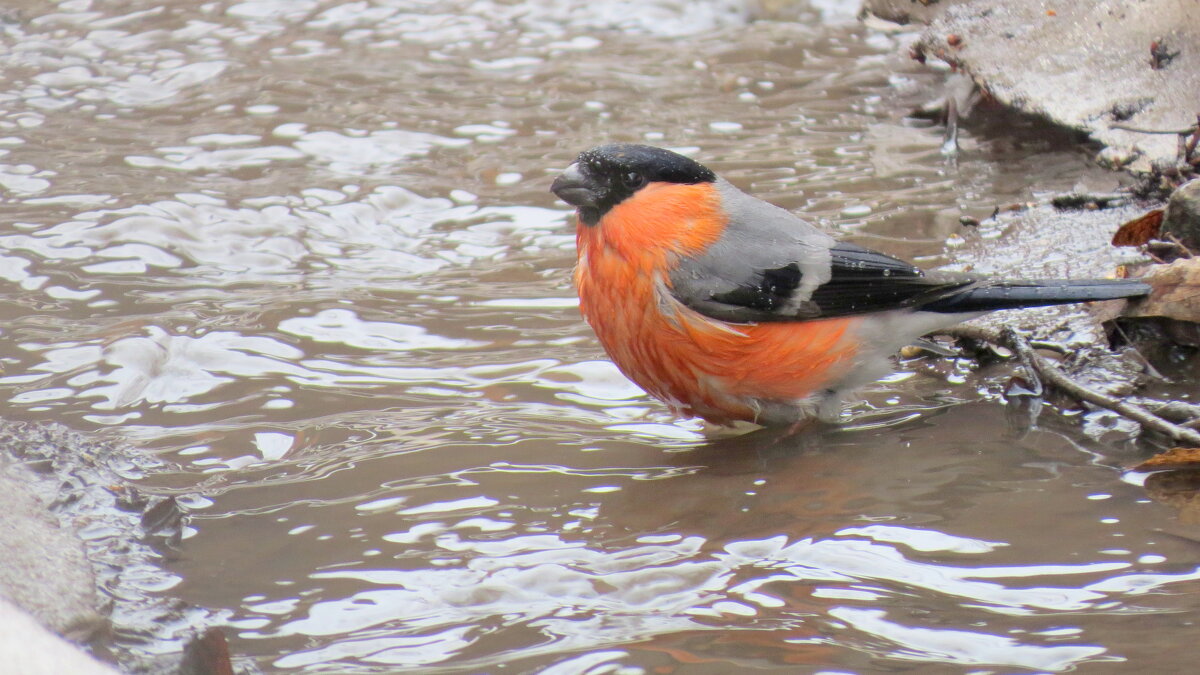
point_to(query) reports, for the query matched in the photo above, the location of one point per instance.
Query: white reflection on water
(23, 179)
(584, 598)
(356, 152)
(344, 327)
(163, 83)
(389, 231)
(657, 17)
(269, 235)
(396, 651)
(963, 647)
(192, 158)
(163, 368)
(922, 540)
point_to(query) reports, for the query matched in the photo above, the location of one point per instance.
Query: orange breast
(699, 366)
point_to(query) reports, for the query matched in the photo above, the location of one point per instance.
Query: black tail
(1035, 293)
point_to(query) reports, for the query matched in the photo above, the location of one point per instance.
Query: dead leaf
(207, 653)
(1175, 458)
(1140, 230)
(1175, 294)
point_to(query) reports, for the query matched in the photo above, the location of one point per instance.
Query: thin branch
(1166, 132)
(1056, 347)
(1056, 378)
(1191, 144)
(1185, 414)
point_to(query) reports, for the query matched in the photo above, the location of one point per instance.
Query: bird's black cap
(607, 175)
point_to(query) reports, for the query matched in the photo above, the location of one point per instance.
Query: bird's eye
(633, 180)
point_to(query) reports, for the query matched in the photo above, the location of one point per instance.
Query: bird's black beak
(574, 187)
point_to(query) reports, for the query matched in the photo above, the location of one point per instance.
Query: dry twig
(1142, 130)
(1181, 412)
(1054, 376)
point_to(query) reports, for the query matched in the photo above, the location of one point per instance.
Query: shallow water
(305, 251)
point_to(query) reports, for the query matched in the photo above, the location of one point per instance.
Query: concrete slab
(1085, 65)
(46, 584)
(906, 11)
(26, 647)
(43, 569)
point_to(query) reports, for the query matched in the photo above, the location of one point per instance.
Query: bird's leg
(796, 427)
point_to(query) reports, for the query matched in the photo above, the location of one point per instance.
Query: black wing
(769, 286)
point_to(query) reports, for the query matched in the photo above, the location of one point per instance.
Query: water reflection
(388, 231)
(873, 539)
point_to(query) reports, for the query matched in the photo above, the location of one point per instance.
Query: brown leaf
(1175, 294)
(1175, 458)
(207, 654)
(1140, 230)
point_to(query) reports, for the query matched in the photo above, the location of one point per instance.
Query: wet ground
(305, 252)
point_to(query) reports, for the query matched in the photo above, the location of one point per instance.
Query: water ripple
(585, 597)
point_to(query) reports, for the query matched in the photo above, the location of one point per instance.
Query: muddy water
(304, 251)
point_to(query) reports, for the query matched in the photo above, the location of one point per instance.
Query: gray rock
(1182, 218)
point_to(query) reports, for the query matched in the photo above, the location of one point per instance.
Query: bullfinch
(728, 308)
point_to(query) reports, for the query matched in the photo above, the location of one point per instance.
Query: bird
(729, 308)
